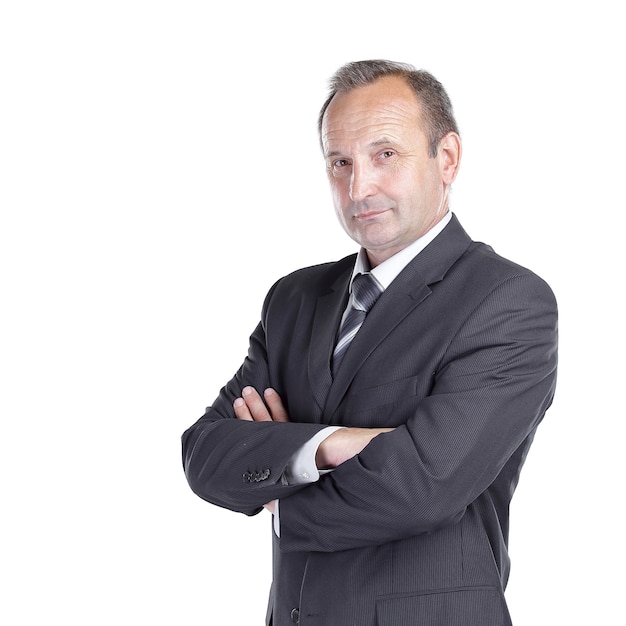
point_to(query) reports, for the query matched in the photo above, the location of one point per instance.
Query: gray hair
(436, 107)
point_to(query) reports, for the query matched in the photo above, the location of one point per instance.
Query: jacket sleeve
(238, 464)
(468, 436)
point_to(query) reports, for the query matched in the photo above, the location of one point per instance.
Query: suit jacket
(459, 354)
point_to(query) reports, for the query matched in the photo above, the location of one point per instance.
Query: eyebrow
(383, 141)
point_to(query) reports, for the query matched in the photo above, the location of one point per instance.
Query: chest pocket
(383, 405)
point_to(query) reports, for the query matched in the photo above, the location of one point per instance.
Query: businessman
(388, 400)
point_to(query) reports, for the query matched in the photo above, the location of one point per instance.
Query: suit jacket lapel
(328, 311)
(406, 292)
(391, 308)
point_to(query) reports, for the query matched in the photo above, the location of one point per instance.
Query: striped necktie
(365, 291)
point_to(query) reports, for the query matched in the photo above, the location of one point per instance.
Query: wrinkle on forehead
(365, 114)
(370, 132)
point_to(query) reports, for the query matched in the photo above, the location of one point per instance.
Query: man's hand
(252, 408)
(343, 444)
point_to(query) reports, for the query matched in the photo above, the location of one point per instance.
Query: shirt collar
(387, 271)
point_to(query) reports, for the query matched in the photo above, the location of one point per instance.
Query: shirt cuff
(301, 468)
(276, 519)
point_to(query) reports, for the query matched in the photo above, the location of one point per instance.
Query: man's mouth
(371, 214)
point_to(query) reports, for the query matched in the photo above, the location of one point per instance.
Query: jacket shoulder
(492, 267)
(315, 279)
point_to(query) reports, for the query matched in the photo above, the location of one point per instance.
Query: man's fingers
(241, 410)
(251, 407)
(275, 405)
(255, 405)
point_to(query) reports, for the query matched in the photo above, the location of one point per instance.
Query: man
(388, 449)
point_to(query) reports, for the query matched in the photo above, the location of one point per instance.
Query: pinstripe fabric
(365, 291)
(459, 356)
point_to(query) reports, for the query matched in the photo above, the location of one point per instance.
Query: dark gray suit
(459, 353)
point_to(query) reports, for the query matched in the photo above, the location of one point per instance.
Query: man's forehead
(381, 108)
(370, 132)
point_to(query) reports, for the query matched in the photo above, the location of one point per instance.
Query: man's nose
(362, 182)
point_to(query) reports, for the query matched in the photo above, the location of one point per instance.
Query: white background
(159, 170)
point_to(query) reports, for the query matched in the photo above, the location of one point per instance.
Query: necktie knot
(365, 291)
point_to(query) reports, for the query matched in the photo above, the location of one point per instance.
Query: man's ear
(449, 156)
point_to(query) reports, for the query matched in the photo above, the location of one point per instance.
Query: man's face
(386, 189)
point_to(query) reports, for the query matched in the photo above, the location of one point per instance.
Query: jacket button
(295, 616)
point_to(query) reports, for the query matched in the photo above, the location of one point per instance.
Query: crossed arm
(488, 393)
(338, 447)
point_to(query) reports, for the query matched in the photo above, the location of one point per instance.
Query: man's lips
(371, 214)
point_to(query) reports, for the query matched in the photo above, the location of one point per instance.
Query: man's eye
(340, 163)
(387, 154)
